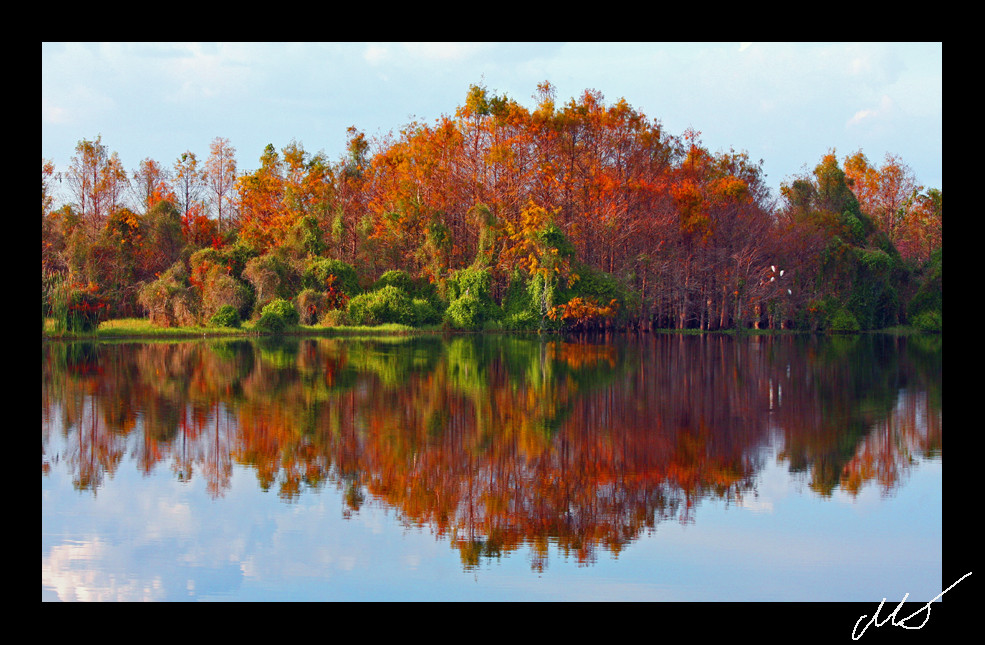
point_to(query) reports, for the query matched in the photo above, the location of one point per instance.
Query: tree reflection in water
(503, 441)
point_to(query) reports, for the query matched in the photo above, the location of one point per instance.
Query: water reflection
(494, 443)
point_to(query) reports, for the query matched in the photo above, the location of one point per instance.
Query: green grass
(142, 328)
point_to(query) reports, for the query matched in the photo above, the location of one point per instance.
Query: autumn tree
(220, 176)
(856, 274)
(97, 180)
(925, 225)
(887, 193)
(260, 194)
(150, 185)
(189, 185)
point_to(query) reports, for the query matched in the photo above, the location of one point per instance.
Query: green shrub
(519, 313)
(334, 318)
(77, 308)
(225, 316)
(415, 288)
(466, 312)
(424, 312)
(284, 309)
(929, 321)
(387, 305)
(843, 322)
(475, 282)
(270, 322)
(321, 273)
(396, 278)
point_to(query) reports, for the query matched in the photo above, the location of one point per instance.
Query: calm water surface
(685, 468)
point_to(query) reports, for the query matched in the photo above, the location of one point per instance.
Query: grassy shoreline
(141, 328)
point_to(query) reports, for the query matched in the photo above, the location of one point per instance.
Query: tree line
(583, 215)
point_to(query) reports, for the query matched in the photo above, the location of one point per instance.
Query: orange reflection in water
(498, 442)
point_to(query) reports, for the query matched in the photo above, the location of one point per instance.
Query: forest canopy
(576, 216)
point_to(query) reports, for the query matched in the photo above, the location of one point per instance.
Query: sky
(786, 104)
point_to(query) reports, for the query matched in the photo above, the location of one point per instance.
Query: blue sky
(785, 103)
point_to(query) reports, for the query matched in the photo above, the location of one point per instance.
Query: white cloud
(872, 114)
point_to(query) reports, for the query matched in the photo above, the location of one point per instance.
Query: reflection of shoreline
(582, 446)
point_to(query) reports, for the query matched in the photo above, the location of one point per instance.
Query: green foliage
(237, 255)
(854, 230)
(334, 318)
(843, 322)
(815, 316)
(470, 301)
(270, 322)
(467, 312)
(284, 309)
(929, 295)
(388, 304)
(866, 280)
(76, 308)
(518, 308)
(545, 292)
(420, 288)
(225, 316)
(488, 227)
(317, 271)
(474, 281)
(555, 244)
(873, 298)
(929, 321)
(396, 278)
(306, 237)
(602, 287)
(424, 312)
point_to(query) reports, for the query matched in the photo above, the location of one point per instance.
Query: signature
(892, 617)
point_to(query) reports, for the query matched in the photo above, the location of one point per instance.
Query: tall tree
(189, 184)
(84, 179)
(150, 184)
(263, 216)
(220, 176)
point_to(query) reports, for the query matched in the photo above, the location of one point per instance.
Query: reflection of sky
(154, 538)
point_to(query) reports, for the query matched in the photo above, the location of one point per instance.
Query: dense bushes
(76, 308)
(467, 312)
(388, 304)
(170, 300)
(320, 274)
(843, 322)
(929, 321)
(225, 316)
(277, 316)
(470, 303)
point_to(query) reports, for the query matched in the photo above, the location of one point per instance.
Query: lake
(493, 467)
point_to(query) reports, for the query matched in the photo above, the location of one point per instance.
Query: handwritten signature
(892, 617)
